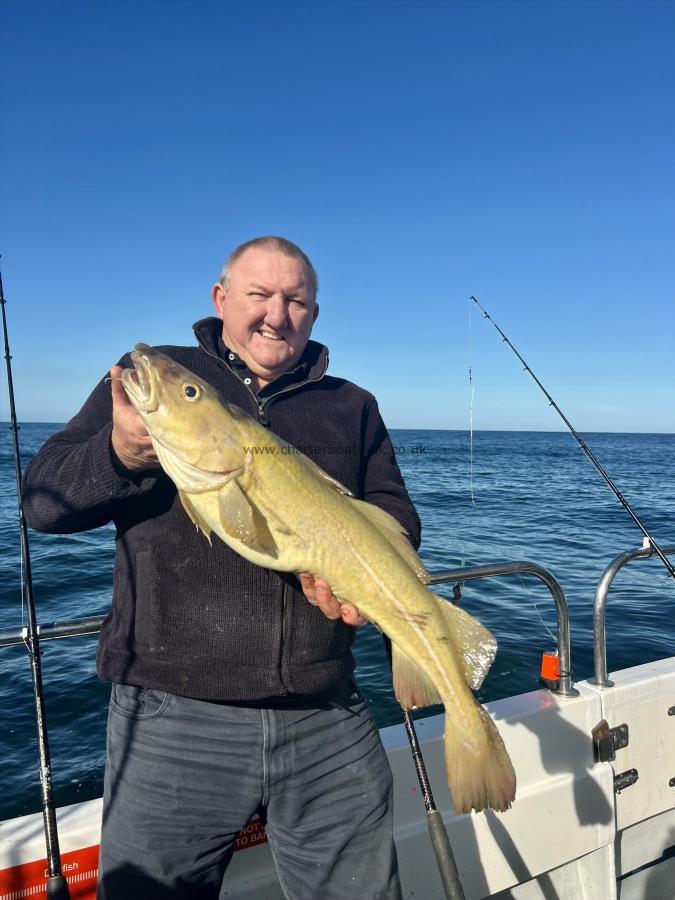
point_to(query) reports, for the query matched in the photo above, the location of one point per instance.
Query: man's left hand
(319, 593)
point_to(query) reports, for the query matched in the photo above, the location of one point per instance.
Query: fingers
(130, 440)
(119, 395)
(319, 593)
(351, 615)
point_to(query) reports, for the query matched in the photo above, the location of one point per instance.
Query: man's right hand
(130, 440)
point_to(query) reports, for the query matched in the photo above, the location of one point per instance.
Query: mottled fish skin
(259, 495)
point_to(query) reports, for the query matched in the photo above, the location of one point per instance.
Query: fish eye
(191, 391)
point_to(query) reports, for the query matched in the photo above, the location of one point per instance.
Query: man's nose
(275, 314)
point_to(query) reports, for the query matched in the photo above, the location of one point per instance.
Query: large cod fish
(280, 510)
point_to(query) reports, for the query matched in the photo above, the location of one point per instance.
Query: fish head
(185, 416)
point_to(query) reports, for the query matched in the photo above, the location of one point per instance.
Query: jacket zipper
(260, 406)
(284, 613)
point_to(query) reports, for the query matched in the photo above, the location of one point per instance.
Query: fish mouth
(138, 382)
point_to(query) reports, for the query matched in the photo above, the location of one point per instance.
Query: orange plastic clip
(550, 666)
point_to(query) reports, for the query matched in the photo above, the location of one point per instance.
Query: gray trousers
(183, 777)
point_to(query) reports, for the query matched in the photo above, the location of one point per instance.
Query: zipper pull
(261, 412)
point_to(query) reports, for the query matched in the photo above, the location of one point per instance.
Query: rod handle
(444, 856)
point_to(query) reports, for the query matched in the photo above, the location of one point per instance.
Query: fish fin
(194, 515)
(242, 521)
(317, 470)
(189, 477)
(411, 685)
(395, 533)
(476, 646)
(480, 772)
(277, 523)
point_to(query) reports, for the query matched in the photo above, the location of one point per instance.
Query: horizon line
(410, 428)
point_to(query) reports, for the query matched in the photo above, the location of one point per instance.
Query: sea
(486, 497)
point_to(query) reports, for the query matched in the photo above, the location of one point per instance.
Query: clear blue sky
(419, 152)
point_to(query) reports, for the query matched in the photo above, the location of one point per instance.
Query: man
(231, 694)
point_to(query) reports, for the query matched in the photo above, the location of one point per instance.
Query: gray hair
(275, 243)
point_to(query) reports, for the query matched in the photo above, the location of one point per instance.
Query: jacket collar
(315, 356)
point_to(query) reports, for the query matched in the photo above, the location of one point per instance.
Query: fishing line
(471, 396)
(457, 590)
(526, 588)
(546, 628)
(22, 593)
(584, 446)
(5, 416)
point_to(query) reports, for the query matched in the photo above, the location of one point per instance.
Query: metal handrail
(564, 688)
(600, 604)
(92, 624)
(54, 631)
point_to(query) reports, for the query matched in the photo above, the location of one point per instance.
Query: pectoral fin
(190, 509)
(242, 521)
(411, 685)
(318, 471)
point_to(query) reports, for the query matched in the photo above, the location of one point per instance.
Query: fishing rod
(438, 835)
(584, 446)
(57, 886)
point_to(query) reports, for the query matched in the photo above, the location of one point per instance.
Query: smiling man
(267, 301)
(231, 693)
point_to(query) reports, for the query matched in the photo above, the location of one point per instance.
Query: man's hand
(130, 439)
(319, 594)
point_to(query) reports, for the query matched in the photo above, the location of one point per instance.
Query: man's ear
(315, 314)
(218, 297)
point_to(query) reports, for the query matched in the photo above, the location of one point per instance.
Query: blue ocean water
(517, 496)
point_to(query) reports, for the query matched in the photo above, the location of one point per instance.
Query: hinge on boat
(625, 779)
(606, 741)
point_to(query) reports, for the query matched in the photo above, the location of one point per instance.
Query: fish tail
(479, 770)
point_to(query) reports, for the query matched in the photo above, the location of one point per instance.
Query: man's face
(267, 310)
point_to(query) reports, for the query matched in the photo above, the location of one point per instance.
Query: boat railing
(523, 567)
(92, 624)
(600, 605)
(54, 631)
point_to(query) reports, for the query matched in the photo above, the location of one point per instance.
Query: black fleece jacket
(197, 620)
